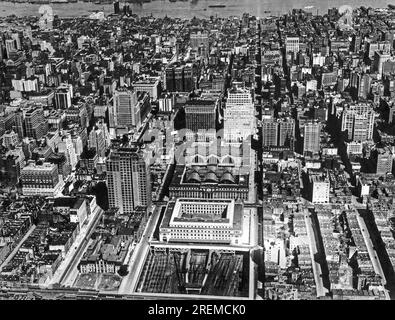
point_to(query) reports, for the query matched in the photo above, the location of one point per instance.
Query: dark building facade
(179, 77)
(200, 114)
(128, 179)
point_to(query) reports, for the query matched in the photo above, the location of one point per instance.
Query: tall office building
(18, 125)
(99, 139)
(356, 43)
(41, 179)
(63, 96)
(384, 161)
(311, 137)
(116, 7)
(179, 77)
(278, 132)
(128, 179)
(124, 102)
(239, 115)
(67, 147)
(126, 10)
(200, 43)
(11, 163)
(167, 102)
(10, 47)
(169, 78)
(35, 123)
(364, 86)
(200, 114)
(286, 132)
(269, 133)
(150, 85)
(199, 38)
(292, 44)
(358, 121)
(379, 58)
(17, 38)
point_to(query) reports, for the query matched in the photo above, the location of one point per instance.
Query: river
(189, 9)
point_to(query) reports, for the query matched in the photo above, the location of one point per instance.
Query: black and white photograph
(197, 157)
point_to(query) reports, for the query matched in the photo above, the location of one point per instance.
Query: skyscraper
(199, 38)
(270, 133)
(364, 86)
(128, 179)
(311, 137)
(179, 77)
(99, 139)
(123, 108)
(17, 37)
(63, 96)
(379, 58)
(239, 115)
(200, 114)
(116, 7)
(35, 123)
(286, 132)
(200, 43)
(384, 161)
(66, 146)
(292, 44)
(356, 43)
(10, 47)
(358, 121)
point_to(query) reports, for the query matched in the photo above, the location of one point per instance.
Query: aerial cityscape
(214, 156)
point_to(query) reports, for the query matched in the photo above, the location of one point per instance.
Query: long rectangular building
(209, 182)
(200, 220)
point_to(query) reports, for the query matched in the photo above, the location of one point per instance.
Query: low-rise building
(200, 220)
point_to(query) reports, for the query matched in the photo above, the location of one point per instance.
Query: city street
(252, 194)
(321, 291)
(10, 256)
(67, 271)
(254, 227)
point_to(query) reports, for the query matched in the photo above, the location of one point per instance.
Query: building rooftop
(210, 174)
(183, 212)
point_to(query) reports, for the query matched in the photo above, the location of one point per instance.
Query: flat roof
(71, 202)
(208, 174)
(229, 213)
